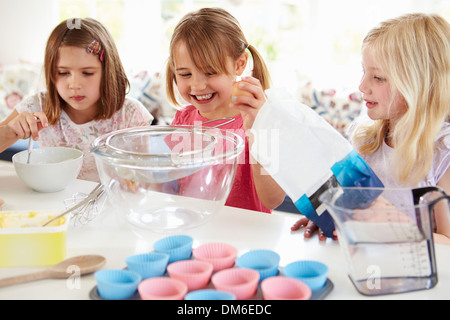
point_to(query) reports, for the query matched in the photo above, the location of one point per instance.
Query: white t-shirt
(66, 133)
(379, 161)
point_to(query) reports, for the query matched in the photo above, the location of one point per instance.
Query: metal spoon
(30, 143)
(30, 147)
(86, 264)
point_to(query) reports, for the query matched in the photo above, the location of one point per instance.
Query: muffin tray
(318, 294)
(179, 247)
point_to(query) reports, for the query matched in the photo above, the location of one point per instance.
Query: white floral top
(66, 133)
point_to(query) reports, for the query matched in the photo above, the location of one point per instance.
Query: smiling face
(209, 92)
(78, 77)
(381, 101)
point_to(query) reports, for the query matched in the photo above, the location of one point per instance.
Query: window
(300, 39)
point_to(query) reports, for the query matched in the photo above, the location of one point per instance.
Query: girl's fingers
(43, 121)
(310, 229)
(33, 127)
(301, 223)
(253, 86)
(37, 122)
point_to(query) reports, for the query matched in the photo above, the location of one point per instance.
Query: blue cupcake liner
(209, 294)
(312, 273)
(178, 247)
(264, 261)
(148, 265)
(115, 284)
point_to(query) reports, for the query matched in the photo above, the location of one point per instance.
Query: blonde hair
(414, 52)
(114, 83)
(211, 35)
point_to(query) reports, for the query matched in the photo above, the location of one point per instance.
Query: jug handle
(420, 192)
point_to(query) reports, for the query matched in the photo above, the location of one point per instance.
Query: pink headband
(96, 48)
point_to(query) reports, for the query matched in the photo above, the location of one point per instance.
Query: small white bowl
(50, 169)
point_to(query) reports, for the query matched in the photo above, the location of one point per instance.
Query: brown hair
(211, 35)
(78, 32)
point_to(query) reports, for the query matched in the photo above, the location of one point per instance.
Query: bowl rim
(329, 197)
(15, 157)
(149, 160)
(140, 130)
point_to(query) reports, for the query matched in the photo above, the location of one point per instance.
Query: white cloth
(295, 144)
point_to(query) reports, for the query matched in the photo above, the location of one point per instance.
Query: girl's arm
(269, 192)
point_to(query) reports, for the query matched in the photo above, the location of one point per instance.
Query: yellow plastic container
(24, 242)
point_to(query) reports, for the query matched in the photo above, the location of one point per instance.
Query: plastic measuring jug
(387, 236)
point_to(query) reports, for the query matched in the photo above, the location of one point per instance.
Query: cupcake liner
(209, 294)
(220, 255)
(312, 273)
(266, 262)
(284, 288)
(179, 247)
(117, 284)
(195, 274)
(162, 288)
(148, 265)
(241, 282)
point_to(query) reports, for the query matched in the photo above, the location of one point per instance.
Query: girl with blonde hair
(85, 97)
(406, 89)
(208, 50)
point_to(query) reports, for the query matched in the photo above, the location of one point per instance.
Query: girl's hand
(248, 104)
(269, 192)
(26, 125)
(310, 228)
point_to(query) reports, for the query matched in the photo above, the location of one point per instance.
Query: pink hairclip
(96, 48)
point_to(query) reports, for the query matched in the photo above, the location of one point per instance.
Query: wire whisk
(88, 210)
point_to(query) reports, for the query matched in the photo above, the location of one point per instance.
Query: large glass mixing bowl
(167, 178)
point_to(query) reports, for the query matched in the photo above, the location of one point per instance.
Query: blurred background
(312, 47)
(318, 38)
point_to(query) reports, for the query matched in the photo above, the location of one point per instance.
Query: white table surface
(115, 239)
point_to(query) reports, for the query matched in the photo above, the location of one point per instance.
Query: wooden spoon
(86, 264)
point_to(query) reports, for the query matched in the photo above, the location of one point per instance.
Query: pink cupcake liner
(241, 282)
(284, 288)
(220, 255)
(195, 274)
(162, 288)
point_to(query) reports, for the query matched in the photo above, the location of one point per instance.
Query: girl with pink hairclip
(85, 97)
